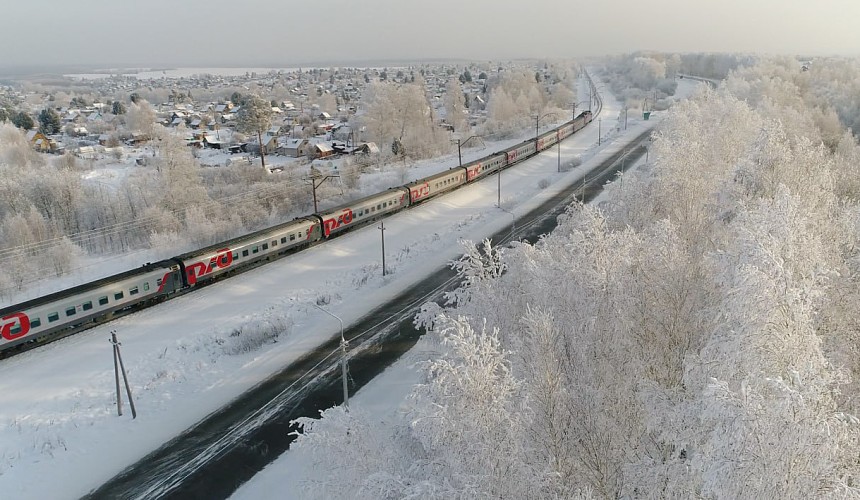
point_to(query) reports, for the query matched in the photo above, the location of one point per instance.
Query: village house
(293, 148)
(322, 150)
(368, 148)
(39, 141)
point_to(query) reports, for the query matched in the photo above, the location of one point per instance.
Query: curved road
(213, 458)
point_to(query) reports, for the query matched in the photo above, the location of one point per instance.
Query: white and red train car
(59, 314)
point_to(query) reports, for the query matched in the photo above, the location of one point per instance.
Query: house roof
(294, 143)
(370, 147)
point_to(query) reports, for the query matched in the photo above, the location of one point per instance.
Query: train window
(86, 306)
(235, 255)
(117, 296)
(70, 311)
(284, 239)
(292, 237)
(104, 300)
(255, 249)
(35, 322)
(379, 207)
(299, 234)
(53, 317)
(133, 291)
(17, 328)
(265, 246)
(244, 253)
(146, 287)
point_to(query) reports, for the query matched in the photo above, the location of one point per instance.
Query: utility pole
(315, 185)
(625, 117)
(558, 141)
(598, 131)
(459, 143)
(117, 368)
(382, 232)
(499, 178)
(343, 344)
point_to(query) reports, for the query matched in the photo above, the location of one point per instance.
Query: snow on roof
(294, 143)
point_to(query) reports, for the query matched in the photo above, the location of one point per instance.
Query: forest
(692, 336)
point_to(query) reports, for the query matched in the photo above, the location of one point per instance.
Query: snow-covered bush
(254, 333)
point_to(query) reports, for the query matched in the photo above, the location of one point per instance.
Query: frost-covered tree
(255, 117)
(180, 182)
(514, 100)
(140, 118)
(456, 112)
(399, 111)
(694, 338)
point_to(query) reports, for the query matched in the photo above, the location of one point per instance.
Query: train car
(55, 315)
(546, 140)
(485, 166)
(566, 130)
(428, 187)
(519, 152)
(582, 120)
(339, 219)
(211, 262)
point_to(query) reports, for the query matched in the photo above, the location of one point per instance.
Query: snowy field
(58, 416)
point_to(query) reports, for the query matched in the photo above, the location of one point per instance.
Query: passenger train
(66, 312)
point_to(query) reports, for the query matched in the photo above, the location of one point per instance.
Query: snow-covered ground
(382, 398)
(59, 433)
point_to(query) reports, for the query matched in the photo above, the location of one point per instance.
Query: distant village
(311, 111)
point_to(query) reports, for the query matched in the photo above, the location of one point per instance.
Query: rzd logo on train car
(14, 326)
(335, 222)
(419, 192)
(199, 269)
(473, 171)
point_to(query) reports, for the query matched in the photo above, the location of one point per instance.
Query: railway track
(80, 308)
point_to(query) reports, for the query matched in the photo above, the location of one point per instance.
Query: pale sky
(284, 33)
